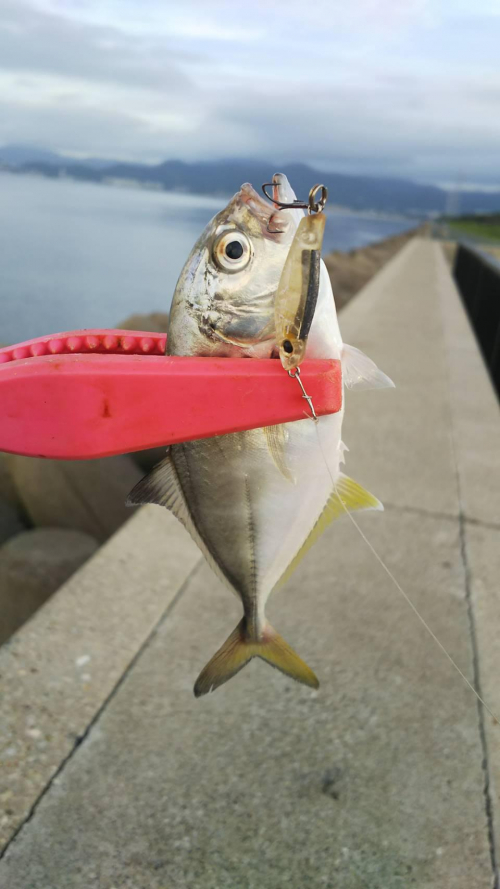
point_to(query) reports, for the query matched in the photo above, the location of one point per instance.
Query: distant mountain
(20, 155)
(387, 195)
(356, 192)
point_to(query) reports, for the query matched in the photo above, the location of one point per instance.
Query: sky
(407, 88)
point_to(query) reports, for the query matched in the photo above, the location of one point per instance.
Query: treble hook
(311, 206)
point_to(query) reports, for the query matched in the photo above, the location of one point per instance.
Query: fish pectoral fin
(239, 649)
(360, 372)
(276, 440)
(347, 496)
(162, 486)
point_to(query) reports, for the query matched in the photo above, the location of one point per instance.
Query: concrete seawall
(112, 775)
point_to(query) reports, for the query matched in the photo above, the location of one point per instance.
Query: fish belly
(251, 515)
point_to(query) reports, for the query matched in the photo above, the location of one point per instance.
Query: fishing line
(400, 589)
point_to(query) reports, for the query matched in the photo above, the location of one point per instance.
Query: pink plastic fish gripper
(93, 393)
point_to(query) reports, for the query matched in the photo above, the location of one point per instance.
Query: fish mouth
(257, 204)
(282, 194)
(273, 218)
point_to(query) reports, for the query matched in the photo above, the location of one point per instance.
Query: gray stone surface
(475, 431)
(474, 412)
(483, 553)
(33, 565)
(374, 781)
(59, 669)
(403, 449)
(87, 495)
(377, 780)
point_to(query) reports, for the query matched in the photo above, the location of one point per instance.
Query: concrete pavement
(387, 777)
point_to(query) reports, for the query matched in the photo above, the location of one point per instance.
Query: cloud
(371, 86)
(45, 43)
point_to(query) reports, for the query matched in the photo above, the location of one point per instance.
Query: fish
(255, 502)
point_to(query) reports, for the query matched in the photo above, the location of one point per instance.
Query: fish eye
(232, 251)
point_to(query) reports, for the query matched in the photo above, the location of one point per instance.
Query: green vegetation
(487, 227)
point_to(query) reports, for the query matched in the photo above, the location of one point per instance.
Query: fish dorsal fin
(360, 372)
(347, 497)
(162, 486)
(276, 441)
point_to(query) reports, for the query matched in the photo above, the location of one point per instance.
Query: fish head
(223, 303)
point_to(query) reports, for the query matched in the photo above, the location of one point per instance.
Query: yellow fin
(239, 649)
(281, 655)
(276, 440)
(347, 496)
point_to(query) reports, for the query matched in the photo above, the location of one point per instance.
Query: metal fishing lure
(298, 288)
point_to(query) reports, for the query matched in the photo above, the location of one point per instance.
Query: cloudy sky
(386, 87)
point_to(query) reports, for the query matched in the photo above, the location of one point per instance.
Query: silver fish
(254, 502)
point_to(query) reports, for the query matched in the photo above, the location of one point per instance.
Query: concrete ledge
(385, 778)
(474, 407)
(475, 424)
(60, 668)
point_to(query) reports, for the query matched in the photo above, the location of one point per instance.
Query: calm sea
(76, 255)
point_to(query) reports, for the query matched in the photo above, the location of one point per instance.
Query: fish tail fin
(281, 655)
(239, 648)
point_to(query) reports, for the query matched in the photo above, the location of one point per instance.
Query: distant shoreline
(158, 188)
